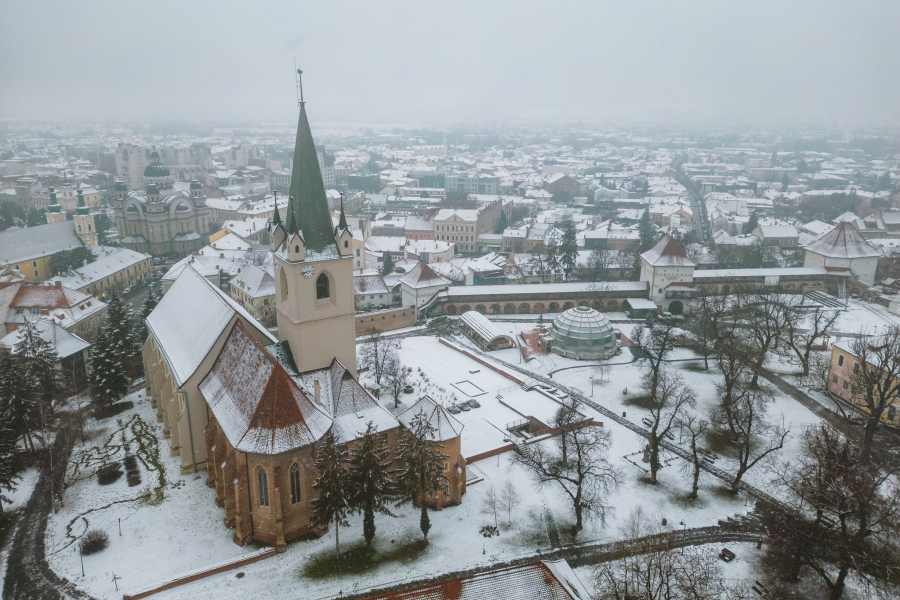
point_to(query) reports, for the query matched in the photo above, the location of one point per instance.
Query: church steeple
(342, 222)
(308, 206)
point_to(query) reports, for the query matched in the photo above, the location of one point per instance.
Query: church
(252, 409)
(160, 219)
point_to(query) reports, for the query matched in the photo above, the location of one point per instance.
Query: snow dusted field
(184, 530)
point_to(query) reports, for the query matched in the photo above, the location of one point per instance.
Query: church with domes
(163, 217)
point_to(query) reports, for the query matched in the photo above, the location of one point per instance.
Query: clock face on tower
(308, 271)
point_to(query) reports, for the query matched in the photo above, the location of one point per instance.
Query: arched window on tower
(284, 285)
(346, 244)
(263, 486)
(295, 483)
(322, 285)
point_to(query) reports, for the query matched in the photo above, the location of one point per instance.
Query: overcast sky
(453, 61)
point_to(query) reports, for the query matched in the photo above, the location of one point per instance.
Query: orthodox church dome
(156, 168)
(581, 333)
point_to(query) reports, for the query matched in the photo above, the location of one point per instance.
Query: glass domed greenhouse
(581, 333)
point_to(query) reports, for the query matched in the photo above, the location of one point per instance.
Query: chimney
(59, 283)
(318, 394)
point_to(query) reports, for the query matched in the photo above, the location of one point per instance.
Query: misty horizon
(824, 63)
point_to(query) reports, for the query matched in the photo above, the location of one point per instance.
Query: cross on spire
(299, 84)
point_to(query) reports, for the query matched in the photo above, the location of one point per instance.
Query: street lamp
(683, 535)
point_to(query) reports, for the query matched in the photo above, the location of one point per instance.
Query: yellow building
(28, 250)
(844, 363)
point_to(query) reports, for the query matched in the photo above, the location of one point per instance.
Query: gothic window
(263, 486)
(284, 285)
(322, 290)
(297, 249)
(295, 483)
(346, 244)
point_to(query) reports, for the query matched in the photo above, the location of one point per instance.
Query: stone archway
(464, 308)
(509, 308)
(480, 308)
(539, 307)
(451, 309)
(495, 309)
(554, 307)
(524, 308)
(567, 306)
(676, 307)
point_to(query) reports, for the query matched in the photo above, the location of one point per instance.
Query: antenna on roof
(299, 84)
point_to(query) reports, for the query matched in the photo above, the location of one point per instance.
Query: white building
(844, 248)
(669, 273)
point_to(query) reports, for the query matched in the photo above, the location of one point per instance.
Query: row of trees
(380, 355)
(368, 480)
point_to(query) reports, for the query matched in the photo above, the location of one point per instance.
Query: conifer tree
(18, 409)
(423, 466)
(9, 464)
(140, 328)
(371, 481)
(107, 379)
(332, 504)
(568, 250)
(645, 231)
(119, 326)
(38, 360)
(388, 264)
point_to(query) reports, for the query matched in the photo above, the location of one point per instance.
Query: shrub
(131, 470)
(109, 473)
(94, 541)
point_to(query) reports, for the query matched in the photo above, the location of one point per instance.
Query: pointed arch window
(263, 486)
(322, 287)
(295, 483)
(284, 285)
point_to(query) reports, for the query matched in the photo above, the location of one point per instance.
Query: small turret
(81, 208)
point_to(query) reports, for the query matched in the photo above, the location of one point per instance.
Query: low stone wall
(200, 574)
(385, 320)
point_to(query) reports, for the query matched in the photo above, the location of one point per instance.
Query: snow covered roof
(255, 281)
(369, 284)
(62, 305)
(422, 276)
(110, 260)
(65, 344)
(480, 324)
(256, 403)
(526, 289)
(544, 580)
(844, 241)
(22, 243)
(667, 253)
(189, 319)
(446, 425)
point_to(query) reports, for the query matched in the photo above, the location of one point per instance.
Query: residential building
(844, 248)
(463, 226)
(28, 250)
(74, 311)
(371, 292)
(114, 270)
(254, 289)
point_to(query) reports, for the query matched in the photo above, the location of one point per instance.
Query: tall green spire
(342, 223)
(308, 205)
(82, 209)
(291, 225)
(54, 203)
(276, 218)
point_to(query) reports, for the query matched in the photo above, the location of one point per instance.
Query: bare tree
(767, 314)
(754, 439)
(600, 264)
(490, 505)
(875, 379)
(656, 342)
(585, 476)
(655, 568)
(842, 520)
(712, 312)
(692, 468)
(734, 361)
(377, 353)
(397, 377)
(509, 500)
(802, 334)
(668, 404)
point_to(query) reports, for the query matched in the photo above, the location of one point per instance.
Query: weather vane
(299, 83)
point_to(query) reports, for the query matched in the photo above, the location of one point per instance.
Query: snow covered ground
(185, 530)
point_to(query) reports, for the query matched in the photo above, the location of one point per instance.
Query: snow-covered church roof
(189, 319)
(446, 425)
(256, 403)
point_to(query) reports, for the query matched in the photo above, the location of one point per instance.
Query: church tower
(313, 268)
(85, 228)
(55, 212)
